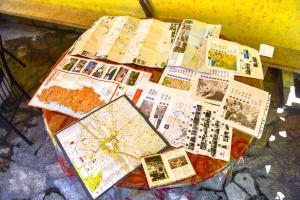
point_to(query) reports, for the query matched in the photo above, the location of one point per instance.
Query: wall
(250, 22)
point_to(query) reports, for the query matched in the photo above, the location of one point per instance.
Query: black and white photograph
(241, 113)
(177, 162)
(211, 89)
(156, 168)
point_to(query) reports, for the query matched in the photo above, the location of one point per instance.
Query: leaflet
(168, 167)
(206, 135)
(190, 44)
(73, 94)
(125, 39)
(232, 57)
(127, 77)
(245, 108)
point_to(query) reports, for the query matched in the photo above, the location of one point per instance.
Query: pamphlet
(168, 167)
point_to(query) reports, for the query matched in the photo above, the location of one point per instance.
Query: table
(205, 167)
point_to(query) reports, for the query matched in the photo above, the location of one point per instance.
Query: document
(168, 167)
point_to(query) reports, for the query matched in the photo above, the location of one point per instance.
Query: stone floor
(271, 170)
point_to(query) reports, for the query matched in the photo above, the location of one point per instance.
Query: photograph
(132, 78)
(211, 89)
(159, 114)
(176, 83)
(177, 162)
(100, 71)
(222, 60)
(241, 113)
(156, 168)
(78, 67)
(70, 64)
(121, 74)
(146, 107)
(89, 67)
(111, 73)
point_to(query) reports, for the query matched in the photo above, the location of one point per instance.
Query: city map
(105, 146)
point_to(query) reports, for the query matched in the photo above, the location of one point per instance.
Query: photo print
(89, 67)
(70, 64)
(156, 168)
(100, 71)
(78, 67)
(132, 78)
(177, 162)
(121, 74)
(111, 72)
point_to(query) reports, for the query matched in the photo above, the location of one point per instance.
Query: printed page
(174, 125)
(245, 108)
(210, 87)
(156, 171)
(104, 147)
(59, 89)
(177, 77)
(232, 57)
(206, 135)
(127, 77)
(179, 164)
(125, 39)
(189, 47)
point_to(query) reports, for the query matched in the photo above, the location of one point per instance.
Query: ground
(271, 169)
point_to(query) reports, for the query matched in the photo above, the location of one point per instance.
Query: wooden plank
(49, 13)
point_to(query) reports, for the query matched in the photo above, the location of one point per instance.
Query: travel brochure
(194, 107)
(167, 167)
(125, 39)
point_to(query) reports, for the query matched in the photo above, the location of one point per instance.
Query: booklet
(206, 135)
(210, 87)
(232, 57)
(189, 47)
(72, 93)
(245, 108)
(177, 77)
(105, 146)
(125, 39)
(168, 167)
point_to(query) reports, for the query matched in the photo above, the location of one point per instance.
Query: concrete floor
(271, 170)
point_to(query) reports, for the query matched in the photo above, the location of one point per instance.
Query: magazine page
(125, 39)
(245, 108)
(206, 135)
(177, 77)
(232, 57)
(189, 47)
(104, 147)
(59, 89)
(210, 87)
(178, 164)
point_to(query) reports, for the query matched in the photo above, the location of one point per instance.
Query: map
(108, 144)
(73, 94)
(125, 39)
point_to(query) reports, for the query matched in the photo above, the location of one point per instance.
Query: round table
(205, 167)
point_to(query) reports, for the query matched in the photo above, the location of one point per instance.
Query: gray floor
(269, 171)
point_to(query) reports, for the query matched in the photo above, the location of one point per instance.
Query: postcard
(104, 147)
(168, 167)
